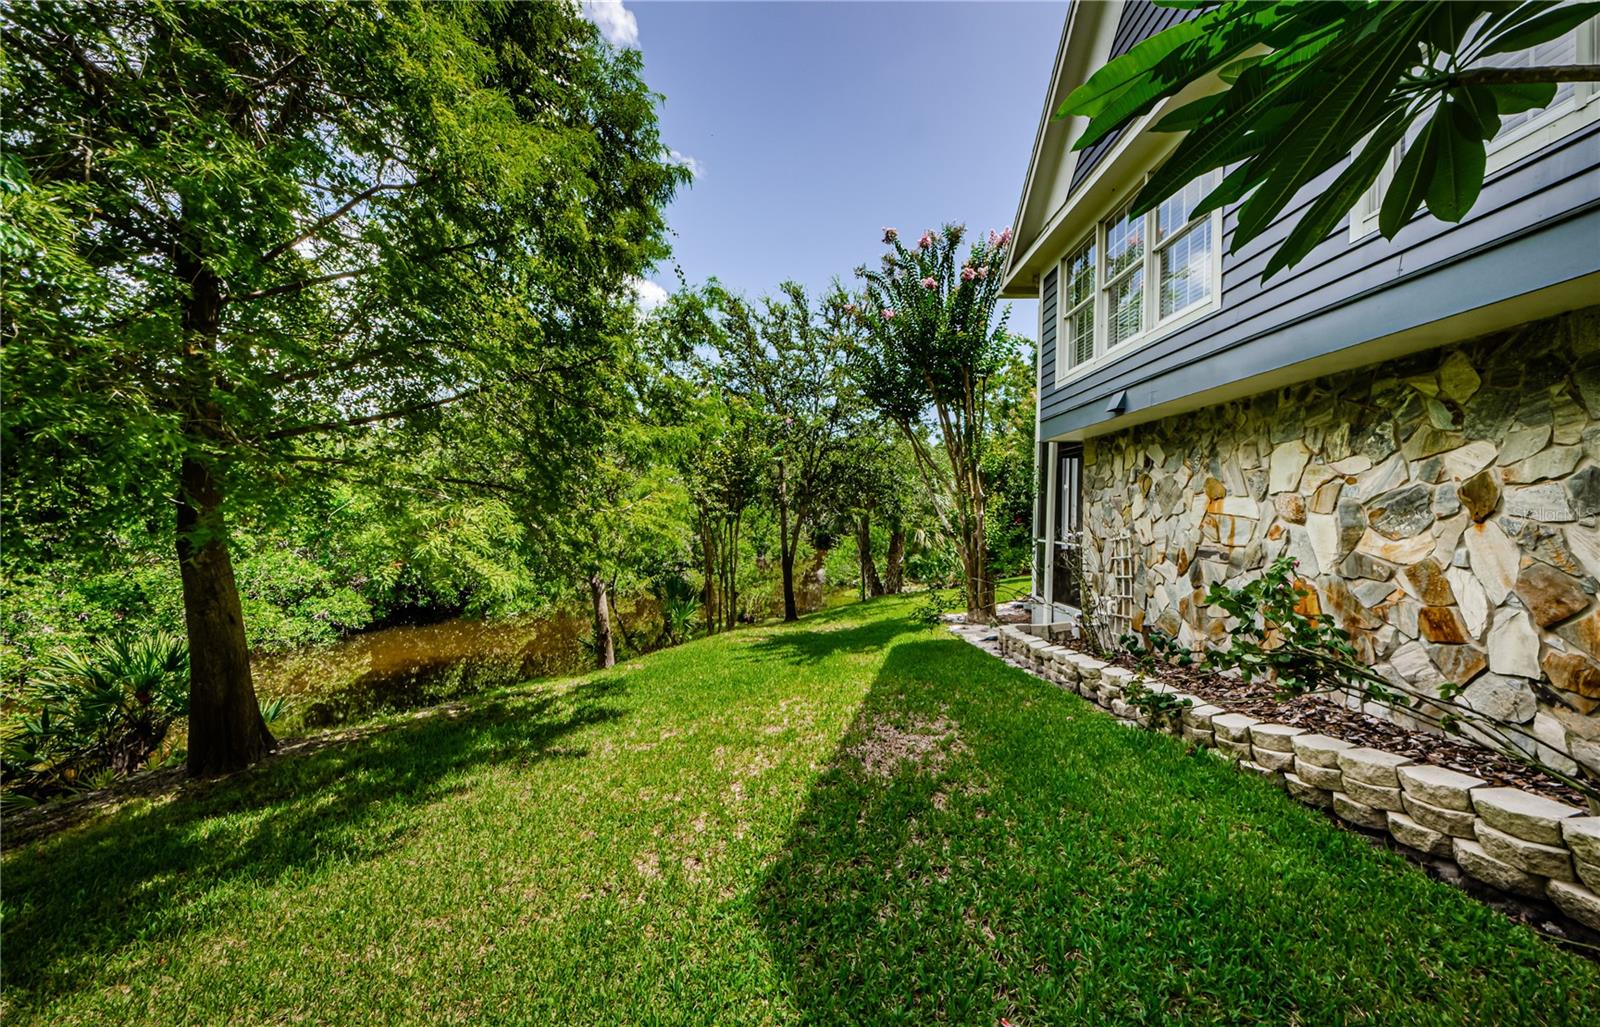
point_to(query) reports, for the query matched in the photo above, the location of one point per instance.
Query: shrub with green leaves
(1274, 633)
(105, 708)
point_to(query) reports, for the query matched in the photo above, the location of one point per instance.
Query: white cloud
(649, 293)
(695, 167)
(617, 24)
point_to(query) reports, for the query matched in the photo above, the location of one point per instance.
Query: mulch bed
(1324, 715)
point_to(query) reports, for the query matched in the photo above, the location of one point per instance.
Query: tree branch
(386, 415)
(324, 222)
(1525, 76)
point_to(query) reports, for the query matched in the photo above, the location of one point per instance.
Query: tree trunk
(730, 593)
(226, 731)
(980, 588)
(605, 651)
(870, 582)
(791, 610)
(616, 614)
(894, 565)
(708, 552)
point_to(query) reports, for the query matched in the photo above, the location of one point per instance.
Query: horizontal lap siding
(1047, 332)
(1141, 19)
(1550, 185)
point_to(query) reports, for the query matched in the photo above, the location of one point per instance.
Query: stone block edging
(1506, 838)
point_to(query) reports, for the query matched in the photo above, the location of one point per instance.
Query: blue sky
(810, 126)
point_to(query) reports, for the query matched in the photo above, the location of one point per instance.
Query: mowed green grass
(693, 839)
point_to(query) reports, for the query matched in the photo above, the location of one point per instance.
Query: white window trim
(1156, 326)
(1576, 112)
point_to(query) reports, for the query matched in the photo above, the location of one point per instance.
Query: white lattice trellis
(1116, 605)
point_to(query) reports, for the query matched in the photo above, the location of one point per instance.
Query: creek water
(408, 666)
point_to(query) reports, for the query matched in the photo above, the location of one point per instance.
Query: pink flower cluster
(926, 240)
(1000, 238)
(968, 273)
(930, 283)
(888, 313)
(890, 235)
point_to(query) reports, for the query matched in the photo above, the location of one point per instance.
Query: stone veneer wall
(1445, 507)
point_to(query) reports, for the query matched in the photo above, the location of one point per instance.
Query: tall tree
(721, 466)
(869, 486)
(789, 361)
(1303, 86)
(929, 343)
(1008, 459)
(265, 229)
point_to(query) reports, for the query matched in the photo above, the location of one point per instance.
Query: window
(1521, 134)
(1079, 305)
(1124, 277)
(1135, 278)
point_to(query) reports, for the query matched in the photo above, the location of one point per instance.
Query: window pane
(1563, 50)
(1124, 243)
(1173, 213)
(1125, 308)
(1080, 330)
(1186, 270)
(1080, 275)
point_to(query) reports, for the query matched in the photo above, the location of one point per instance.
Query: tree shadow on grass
(1059, 868)
(819, 637)
(77, 898)
(860, 906)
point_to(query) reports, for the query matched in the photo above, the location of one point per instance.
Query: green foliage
(279, 244)
(1158, 708)
(786, 361)
(1274, 634)
(104, 708)
(1305, 85)
(383, 192)
(1008, 459)
(1156, 649)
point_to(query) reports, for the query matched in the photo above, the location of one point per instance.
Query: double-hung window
(1134, 278)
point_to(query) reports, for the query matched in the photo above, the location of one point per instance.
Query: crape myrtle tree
(1297, 88)
(929, 343)
(788, 360)
(240, 237)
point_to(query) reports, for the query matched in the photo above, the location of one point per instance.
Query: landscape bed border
(1512, 841)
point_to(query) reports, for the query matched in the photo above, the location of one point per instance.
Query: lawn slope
(850, 820)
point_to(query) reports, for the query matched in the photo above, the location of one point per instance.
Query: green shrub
(104, 708)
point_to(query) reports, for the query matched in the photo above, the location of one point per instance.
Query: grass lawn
(850, 820)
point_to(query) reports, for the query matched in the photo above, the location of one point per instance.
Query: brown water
(409, 666)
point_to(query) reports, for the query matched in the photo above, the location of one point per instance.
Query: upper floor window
(1133, 279)
(1575, 105)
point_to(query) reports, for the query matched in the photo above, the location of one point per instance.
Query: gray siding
(1047, 332)
(1536, 223)
(1141, 19)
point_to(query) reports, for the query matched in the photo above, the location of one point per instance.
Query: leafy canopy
(403, 206)
(1291, 89)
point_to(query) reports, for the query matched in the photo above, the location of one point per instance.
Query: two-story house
(1417, 421)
